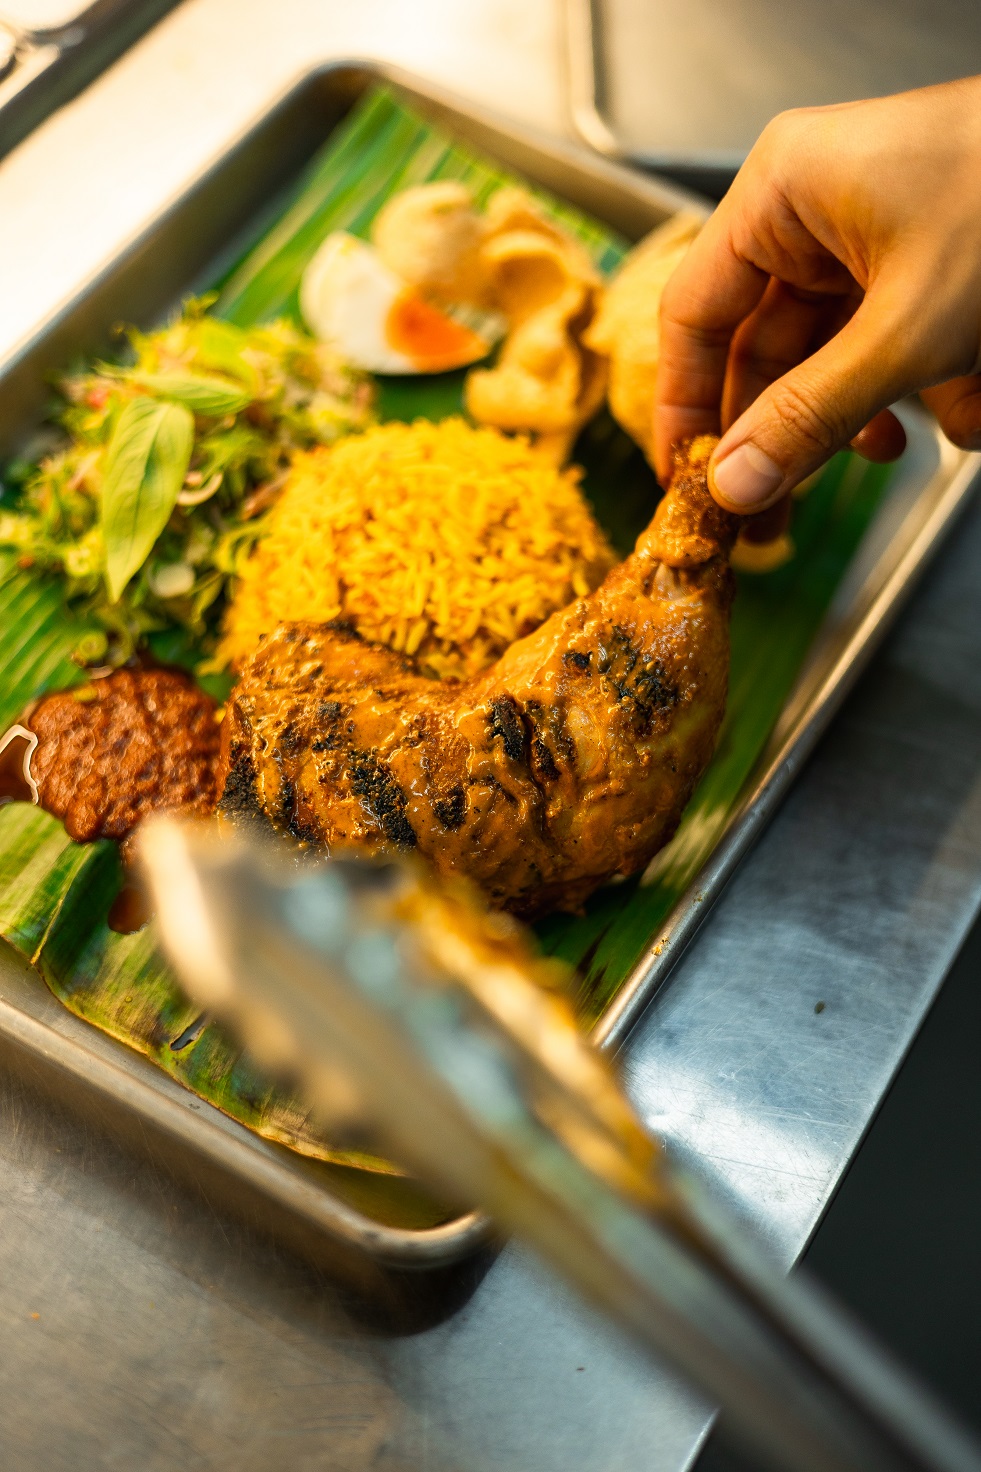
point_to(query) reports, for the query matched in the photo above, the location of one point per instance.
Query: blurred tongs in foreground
(415, 1019)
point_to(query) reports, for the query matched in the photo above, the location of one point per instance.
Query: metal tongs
(413, 1017)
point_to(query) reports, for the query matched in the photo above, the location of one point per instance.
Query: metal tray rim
(811, 711)
(78, 1050)
(55, 62)
(586, 110)
(114, 1070)
(125, 1077)
(658, 193)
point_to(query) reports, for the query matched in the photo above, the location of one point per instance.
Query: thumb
(804, 417)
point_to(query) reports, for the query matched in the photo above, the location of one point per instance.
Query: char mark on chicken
(570, 760)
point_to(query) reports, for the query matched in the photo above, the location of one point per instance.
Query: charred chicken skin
(570, 760)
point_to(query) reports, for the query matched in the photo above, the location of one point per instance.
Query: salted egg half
(350, 299)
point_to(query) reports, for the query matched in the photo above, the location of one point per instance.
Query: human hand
(841, 272)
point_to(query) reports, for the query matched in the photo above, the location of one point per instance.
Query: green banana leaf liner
(55, 895)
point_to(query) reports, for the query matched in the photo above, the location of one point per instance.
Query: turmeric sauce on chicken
(569, 760)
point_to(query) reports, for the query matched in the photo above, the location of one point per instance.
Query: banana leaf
(37, 637)
(55, 895)
(775, 618)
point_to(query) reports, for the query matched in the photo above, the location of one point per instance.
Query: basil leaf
(219, 345)
(146, 463)
(201, 393)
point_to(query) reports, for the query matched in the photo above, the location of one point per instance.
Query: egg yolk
(428, 338)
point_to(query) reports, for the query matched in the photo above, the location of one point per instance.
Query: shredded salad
(166, 467)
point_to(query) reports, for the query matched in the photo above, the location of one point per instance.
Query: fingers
(882, 439)
(799, 421)
(709, 295)
(771, 341)
(767, 525)
(957, 404)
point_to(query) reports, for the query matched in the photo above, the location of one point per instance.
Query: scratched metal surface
(687, 77)
(139, 1328)
(51, 49)
(165, 1332)
(779, 1034)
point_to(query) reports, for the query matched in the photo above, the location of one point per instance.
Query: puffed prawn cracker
(430, 236)
(626, 326)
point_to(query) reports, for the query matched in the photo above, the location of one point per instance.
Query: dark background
(901, 1242)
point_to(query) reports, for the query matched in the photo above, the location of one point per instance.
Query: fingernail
(745, 478)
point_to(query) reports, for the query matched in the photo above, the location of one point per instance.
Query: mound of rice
(439, 540)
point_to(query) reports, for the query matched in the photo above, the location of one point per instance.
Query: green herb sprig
(146, 461)
(169, 465)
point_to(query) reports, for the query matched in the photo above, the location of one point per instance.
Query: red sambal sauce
(111, 752)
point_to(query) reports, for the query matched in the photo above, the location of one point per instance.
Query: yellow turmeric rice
(442, 541)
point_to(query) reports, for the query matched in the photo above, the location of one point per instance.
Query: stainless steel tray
(181, 249)
(684, 86)
(932, 488)
(42, 69)
(409, 1274)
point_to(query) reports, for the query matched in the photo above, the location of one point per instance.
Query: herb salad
(169, 463)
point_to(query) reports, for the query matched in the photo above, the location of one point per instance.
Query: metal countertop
(682, 77)
(138, 1329)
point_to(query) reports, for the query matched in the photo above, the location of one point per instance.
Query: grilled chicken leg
(568, 761)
